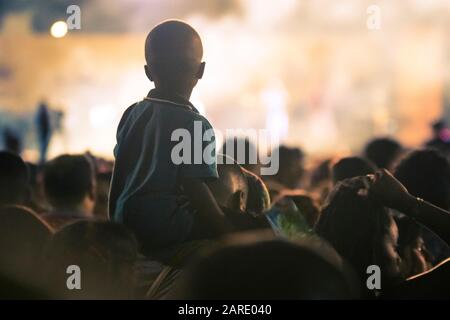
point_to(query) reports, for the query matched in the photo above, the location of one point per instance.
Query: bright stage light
(102, 116)
(58, 29)
(275, 97)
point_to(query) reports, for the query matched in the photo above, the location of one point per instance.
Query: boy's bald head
(173, 40)
(173, 52)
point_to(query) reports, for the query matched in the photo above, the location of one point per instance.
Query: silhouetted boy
(163, 202)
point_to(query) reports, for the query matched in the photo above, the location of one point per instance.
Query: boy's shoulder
(181, 111)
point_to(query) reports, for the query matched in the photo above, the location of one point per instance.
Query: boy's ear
(201, 70)
(148, 72)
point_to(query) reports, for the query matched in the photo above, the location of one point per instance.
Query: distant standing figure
(441, 137)
(44, 130)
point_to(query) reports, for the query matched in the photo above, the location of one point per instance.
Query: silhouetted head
(320, 179)
(106, 254)
(426, 174)
(291, 169)
(321, 175)
(14, 178)
(13, 141)
(69, 183)
(231, 189)
(382, 152)
(173, 52)
(361, 230)
(412, 247)
(22, 238)
(351, 167)
(266, 269)
(438, 126)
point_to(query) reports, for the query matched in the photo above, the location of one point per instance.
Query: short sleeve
(200, 161)
(120, 128)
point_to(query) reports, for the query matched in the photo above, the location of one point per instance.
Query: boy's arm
(210, 222)
(117, 180)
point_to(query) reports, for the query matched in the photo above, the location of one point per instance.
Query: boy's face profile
(173, 52)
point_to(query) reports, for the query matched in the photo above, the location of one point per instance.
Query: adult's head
(361, 230)
(426, 174)
(258, 199)
(266, 269)
(13, 179)
(231, 189)
(351, 167)
(173, 52)
(22, 238)
(437, 127)
(412, 247)
(321, 174)
(106, 254)
(291, 169)
(383, 151)
(320, 179)
(69, 183)
(12, 141)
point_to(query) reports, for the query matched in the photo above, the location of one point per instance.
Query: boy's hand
(211, 221)
(390, 191)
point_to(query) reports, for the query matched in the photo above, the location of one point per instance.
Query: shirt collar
(163, 96)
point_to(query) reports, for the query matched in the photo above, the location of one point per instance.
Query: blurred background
(311, 71)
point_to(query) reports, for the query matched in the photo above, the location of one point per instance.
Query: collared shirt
(146, 193)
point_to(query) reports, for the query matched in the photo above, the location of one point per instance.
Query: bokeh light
(59, 29)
